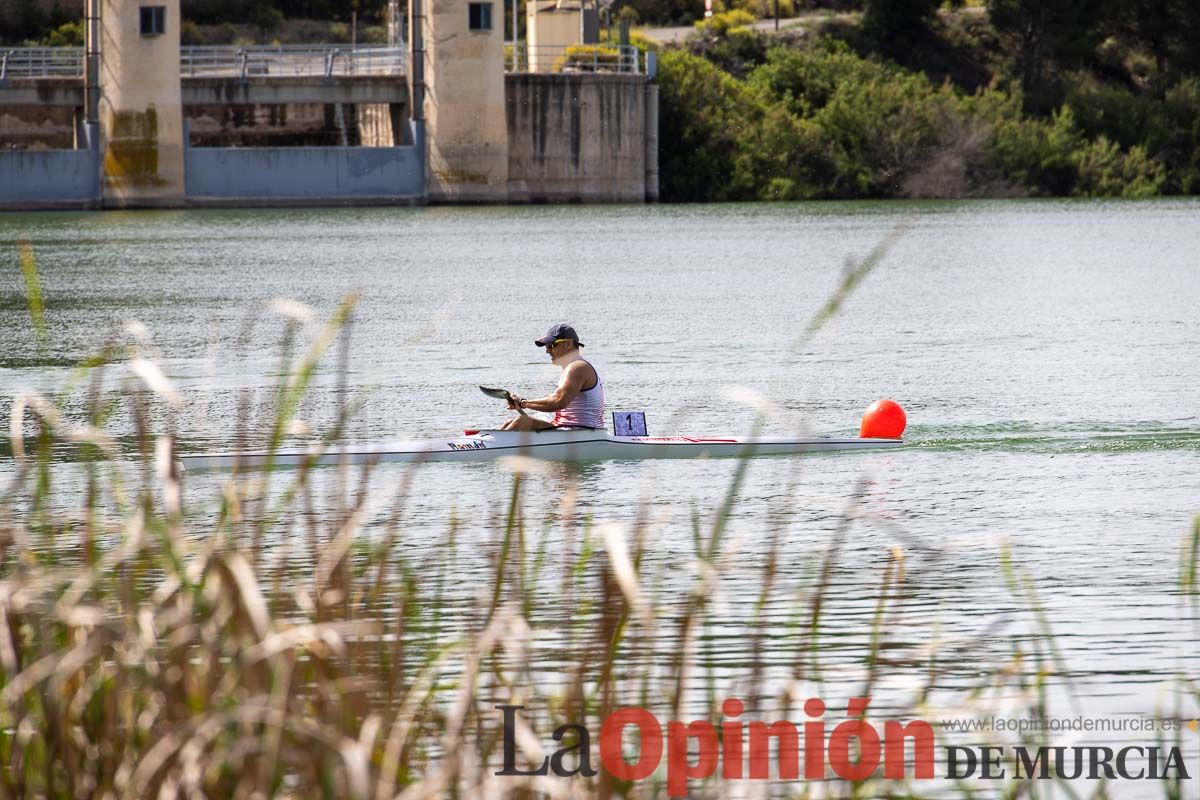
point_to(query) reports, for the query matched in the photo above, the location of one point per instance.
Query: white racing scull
(549, 445)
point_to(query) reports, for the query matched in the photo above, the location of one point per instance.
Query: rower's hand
(514, 402)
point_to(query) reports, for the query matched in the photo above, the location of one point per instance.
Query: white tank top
(586, 410)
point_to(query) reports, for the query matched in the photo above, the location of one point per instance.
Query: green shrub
(267, 19)
(665, 12)
(190, 34)
(886, 19)
(723, 140)
(588, 57)
(1038, 154)
(1114, 111)
(881, 124)
(642, 42)
(69, 34)
(225, 33)
(1179, 148)
(805, 79)
(1105, 171)
(373, 34)
(722, 24)
(760, 9)
(727, 41)
(785, 159)
(883, 129)
(821, 120)
(703, 112)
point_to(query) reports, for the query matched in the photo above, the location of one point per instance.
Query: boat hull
(551, 445)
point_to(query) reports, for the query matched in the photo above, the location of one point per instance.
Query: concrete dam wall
(33, 179)
(581, 137)
(575, 137)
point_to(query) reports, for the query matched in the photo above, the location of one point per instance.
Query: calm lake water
(1046, 354)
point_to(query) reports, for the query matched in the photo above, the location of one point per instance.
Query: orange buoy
(885, 419)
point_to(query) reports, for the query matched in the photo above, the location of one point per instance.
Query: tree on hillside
(1151, 22)
(1048, 33)
(898, 19)
(1168, 29)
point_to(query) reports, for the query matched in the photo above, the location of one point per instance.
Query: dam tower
(140, 105)
(464, 99)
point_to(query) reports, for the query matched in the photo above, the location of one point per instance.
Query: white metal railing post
(4, 64)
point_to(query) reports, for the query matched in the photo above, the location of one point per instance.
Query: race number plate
(629, 423)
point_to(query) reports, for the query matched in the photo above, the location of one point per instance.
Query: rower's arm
(569, 387)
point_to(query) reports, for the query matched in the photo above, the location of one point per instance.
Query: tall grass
(282, 639)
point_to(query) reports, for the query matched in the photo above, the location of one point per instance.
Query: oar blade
(499, 394)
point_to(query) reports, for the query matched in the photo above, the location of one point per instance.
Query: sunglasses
(555, 343)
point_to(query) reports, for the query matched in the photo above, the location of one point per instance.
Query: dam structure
(455, 115)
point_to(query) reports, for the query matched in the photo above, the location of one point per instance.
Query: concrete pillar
(141, 109)
(651, 142)
(464, 103)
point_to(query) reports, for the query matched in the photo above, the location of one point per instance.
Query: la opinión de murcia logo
(853, 750)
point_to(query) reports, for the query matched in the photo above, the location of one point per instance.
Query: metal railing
(41, 62)
(572, 58)
(287, 60)
(304, 60)
(222, 61)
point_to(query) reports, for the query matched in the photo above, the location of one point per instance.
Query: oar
(501, 394)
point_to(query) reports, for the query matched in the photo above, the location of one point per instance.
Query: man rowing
(578, 402)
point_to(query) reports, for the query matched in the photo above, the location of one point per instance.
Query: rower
(578, 402)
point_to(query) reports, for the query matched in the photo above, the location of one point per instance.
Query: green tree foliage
(1169, 30)
(1105, 171)
(1048, 34)
(883, 130)
(266, 17)
(898, 19)
(1179, 147)
(881, 126)
(26, 20)
(1037, 154)
(727, 40)
(69, 34)
(704, 114)
(1116, 111)
(805, 79)
(189, 34)
(758, 9)
(727, 142)
(821, 121)
(663, 12)
(1167, 127)
(725, 22)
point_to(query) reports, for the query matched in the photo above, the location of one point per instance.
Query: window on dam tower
(479, 16)
(153, 20)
